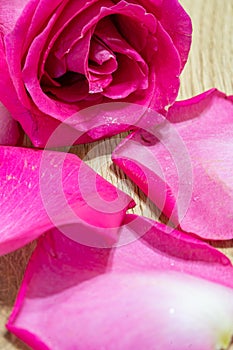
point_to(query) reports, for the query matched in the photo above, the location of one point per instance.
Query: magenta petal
(178, 25)
(8, 97)
(9, 128)
(175, 21)
(39, 192)
(191, 182)
(9, 13)
(103, 58)
(55, 67)
(80, 49)
(47, 39)
(164, 288)
(167, 66)
(70, 93)
(121, 87)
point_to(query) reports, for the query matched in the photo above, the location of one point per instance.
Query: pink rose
(64, 55)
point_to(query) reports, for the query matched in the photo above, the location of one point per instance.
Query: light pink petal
(186, 169)
(38, 192)
(135, 296)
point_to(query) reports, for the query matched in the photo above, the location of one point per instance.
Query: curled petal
(46, 42)
(132, 296)
(9, 130)
(186, 166)
(45, 189)
(10, 133)
(178, 25)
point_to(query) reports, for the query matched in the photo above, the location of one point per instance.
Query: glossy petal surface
(148, 293)
(45, 189)
(54, 67)
(186, 167)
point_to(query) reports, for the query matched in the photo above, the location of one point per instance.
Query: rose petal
(120, 87)
(76, 30)
(98, 83)
(94, 14)
(38, 192)
(9, 128)
(49, 29)
(116, 42)
(71, 93)
(99, 53)
(70, 11)
(201, 168)
(133, 31)
(30, 77)
(79, 50)
(10, 12)
(55, 67)
(135, 296)
(175, 21)
(167, 71)
(179, 26)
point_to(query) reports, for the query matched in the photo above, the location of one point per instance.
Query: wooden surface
(210, 65)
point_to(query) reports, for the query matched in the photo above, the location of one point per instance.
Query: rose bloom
(61, 56)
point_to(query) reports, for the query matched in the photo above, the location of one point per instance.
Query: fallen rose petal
(39, 191)
(192, 184)
(146, 294)
(49, 45)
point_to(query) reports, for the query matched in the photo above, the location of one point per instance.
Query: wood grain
(210, 65)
